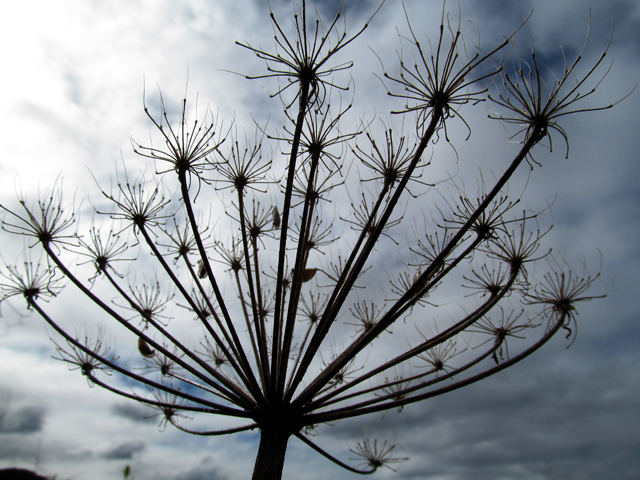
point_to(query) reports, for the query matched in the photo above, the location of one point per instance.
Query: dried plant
(287, 344)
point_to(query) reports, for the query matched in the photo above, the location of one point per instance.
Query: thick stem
(280, 290)
(273, 447)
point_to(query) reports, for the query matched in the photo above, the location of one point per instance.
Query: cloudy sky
(73, 80)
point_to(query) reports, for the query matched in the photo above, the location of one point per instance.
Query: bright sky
(73, 81)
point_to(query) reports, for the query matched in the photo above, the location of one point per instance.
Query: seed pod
(308, 274)
(276, 217)
(202, 271)
(144, 349)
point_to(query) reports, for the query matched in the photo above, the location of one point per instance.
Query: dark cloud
(498, 12)
(133, 412)
(23, 420)
(626, 16)
(202, 474)
(557, 30)
(329, 8)
(124, 451)
(559, 419)
(206, 470)
(562, 414)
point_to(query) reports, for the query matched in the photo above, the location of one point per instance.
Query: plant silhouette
(331, 315)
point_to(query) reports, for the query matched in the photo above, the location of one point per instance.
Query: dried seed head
(308, 274)
(144, 349)
(276, 218)
(202, 271)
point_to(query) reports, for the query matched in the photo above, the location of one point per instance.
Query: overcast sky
(73, 78)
